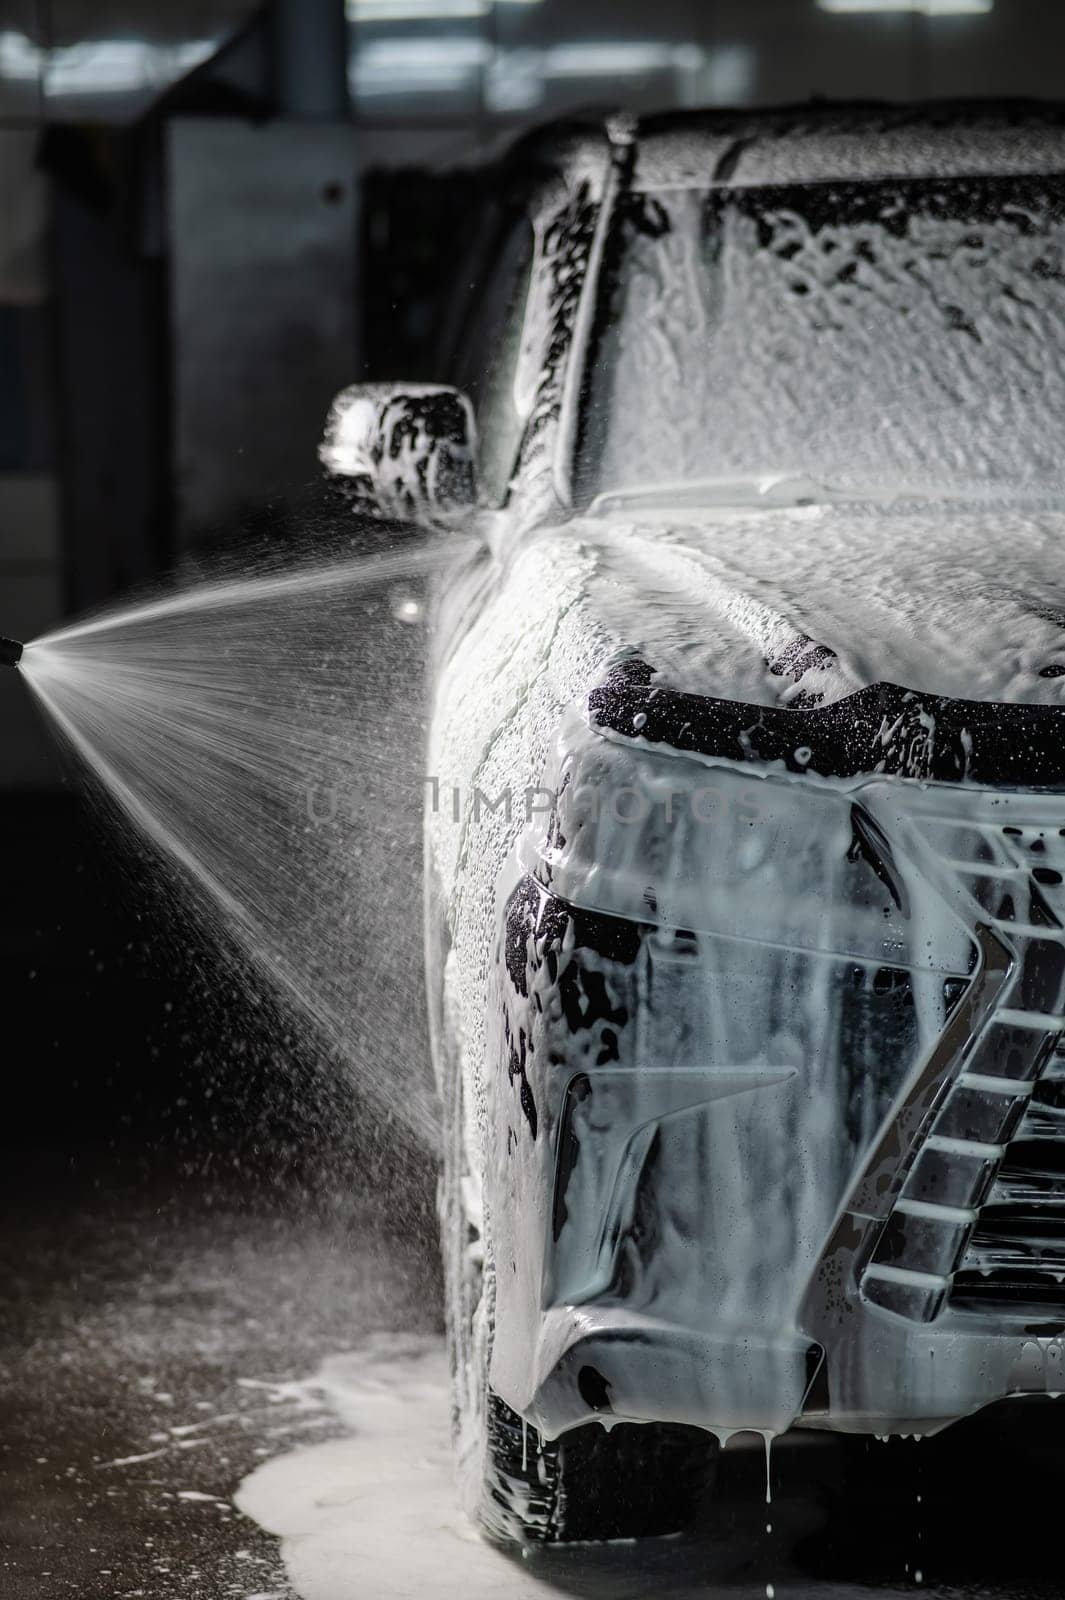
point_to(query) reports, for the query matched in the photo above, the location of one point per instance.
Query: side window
(488, 361)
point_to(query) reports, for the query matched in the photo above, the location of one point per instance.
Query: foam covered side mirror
(409, 450)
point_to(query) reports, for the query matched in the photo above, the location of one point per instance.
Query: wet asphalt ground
(151, 1326)
(186, 1222)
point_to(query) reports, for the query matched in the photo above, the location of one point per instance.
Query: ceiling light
(100, 66)
(609, 59)
(422, 10)
(415, 10)
(923, 8)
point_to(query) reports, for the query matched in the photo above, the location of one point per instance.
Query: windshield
(902, 336)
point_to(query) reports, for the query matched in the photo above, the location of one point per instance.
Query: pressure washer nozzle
(10, 652)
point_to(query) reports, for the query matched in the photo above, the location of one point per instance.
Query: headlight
(786, 967)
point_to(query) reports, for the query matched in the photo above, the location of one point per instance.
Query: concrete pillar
(311, 60)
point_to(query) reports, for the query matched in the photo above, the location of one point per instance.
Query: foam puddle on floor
(375, 1515)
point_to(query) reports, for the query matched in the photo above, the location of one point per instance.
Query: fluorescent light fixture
(609, 59)
(19, 57)
(514, 81)
(102, 66)
(423, 10)
(688, 57)
(922, 8)
(120, 66)
(388, 67)
(425, 55)
(415, 10)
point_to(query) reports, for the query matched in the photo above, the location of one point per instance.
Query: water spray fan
(10, 652)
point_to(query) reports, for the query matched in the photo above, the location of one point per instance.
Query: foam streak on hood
(765, 605)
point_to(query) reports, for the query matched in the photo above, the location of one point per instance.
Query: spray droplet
(237, 725)
(406, 607)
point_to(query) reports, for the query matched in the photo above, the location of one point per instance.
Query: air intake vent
(1015, 1260)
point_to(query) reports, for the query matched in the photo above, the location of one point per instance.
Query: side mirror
(409, 450)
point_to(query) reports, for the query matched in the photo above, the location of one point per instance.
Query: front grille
(976, 1158)
(1015, 1258)
(979, 1224)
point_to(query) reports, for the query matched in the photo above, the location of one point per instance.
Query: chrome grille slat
(988, 1083)
(1044, 1122)
(982, 1205)
(1015, 1256)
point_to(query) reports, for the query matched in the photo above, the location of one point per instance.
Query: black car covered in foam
(746, 833)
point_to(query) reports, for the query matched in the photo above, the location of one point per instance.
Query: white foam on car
(958, 604)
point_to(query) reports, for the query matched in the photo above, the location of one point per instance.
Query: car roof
(813, 142)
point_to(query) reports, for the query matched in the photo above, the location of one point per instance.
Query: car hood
(802, 606)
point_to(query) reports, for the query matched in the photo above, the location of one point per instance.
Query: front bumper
(774, 1137)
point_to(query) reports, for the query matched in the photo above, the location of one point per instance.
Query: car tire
(634, 1480)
